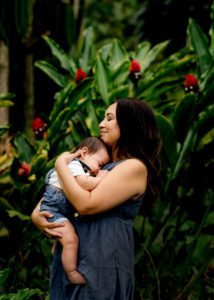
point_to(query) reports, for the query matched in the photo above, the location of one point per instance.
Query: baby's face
(96, 160)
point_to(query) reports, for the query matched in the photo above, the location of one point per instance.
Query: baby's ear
(83, 152)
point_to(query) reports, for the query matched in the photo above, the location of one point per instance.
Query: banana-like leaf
(119, 73)
(104, 51)
(6, 103)
(191, 137)
(66, 62)
(79, 92)
(7, 96)
(91, 119)
(152, 55)
(207, 78)
(61, 101)
(141, 52)
(211, 32)
(102, 78)
(88, 50)
(118, 54)
(184, 116)
(15, 213)
(39, 162)
(4, 275)
(200, 45)
(166, 74)
(55, 127)
(52, 72)
(24, 149)
(23, 18)
(169, 141)
(120, 92)
(5, 204)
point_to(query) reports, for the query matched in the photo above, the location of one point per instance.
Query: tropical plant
(175, 249)
(179, 228)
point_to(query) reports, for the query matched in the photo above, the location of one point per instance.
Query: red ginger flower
(80, 75)
(134, 71)
(24, 170)
(39, 127)
(135, 66)
(191, 83)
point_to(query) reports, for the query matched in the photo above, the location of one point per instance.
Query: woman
(106, 246)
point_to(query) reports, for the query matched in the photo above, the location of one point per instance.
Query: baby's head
(94, 153)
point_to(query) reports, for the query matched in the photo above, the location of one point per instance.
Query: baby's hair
(93, 144)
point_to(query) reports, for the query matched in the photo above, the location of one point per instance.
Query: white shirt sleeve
(74, 166)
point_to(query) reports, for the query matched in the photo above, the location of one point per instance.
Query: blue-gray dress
(105, 257)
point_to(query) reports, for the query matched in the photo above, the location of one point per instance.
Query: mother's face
(109, 129)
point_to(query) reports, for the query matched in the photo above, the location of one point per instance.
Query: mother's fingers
(51, 231)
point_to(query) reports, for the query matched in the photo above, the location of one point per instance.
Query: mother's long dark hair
(140, 138)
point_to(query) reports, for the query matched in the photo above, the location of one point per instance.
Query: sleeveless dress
(105, 256)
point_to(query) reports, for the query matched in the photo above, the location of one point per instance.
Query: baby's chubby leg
(69, 242)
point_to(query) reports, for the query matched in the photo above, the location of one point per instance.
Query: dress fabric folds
(105, 256)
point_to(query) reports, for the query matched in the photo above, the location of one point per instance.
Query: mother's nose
(101, 124)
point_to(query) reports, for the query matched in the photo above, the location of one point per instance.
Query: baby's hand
(68, 156)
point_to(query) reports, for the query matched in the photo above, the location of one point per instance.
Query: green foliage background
(174, 242)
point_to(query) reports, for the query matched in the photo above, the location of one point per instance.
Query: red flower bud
(191, 84)
(80, 75)
(39, 128)
(135, 66)
(134, 73)
(24, 170)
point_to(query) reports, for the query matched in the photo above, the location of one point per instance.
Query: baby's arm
(88, 182)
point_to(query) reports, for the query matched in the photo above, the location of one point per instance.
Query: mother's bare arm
(127, 180)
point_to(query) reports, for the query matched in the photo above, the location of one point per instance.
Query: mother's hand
(39, 218)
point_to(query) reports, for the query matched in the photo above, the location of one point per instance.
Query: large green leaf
(15, 213)
(141, 51)
(152, 55)
(184, 116)
(52, 72)
(104, 51)
(66, 62)
(207, 78)
(119, 73)
(88, 50)
(39, 162)
(169, 142)
(24, 149)
(7, 96)
(200, 45)
(5, 203)
(6, 103)
(54, 131)
(191, 137)
(102, 78)
(61, 100)
(91, 119)
(121, 91)
(118, 54)
(211, 32)
(79, 92)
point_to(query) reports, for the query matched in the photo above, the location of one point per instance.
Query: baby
(93, 155)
